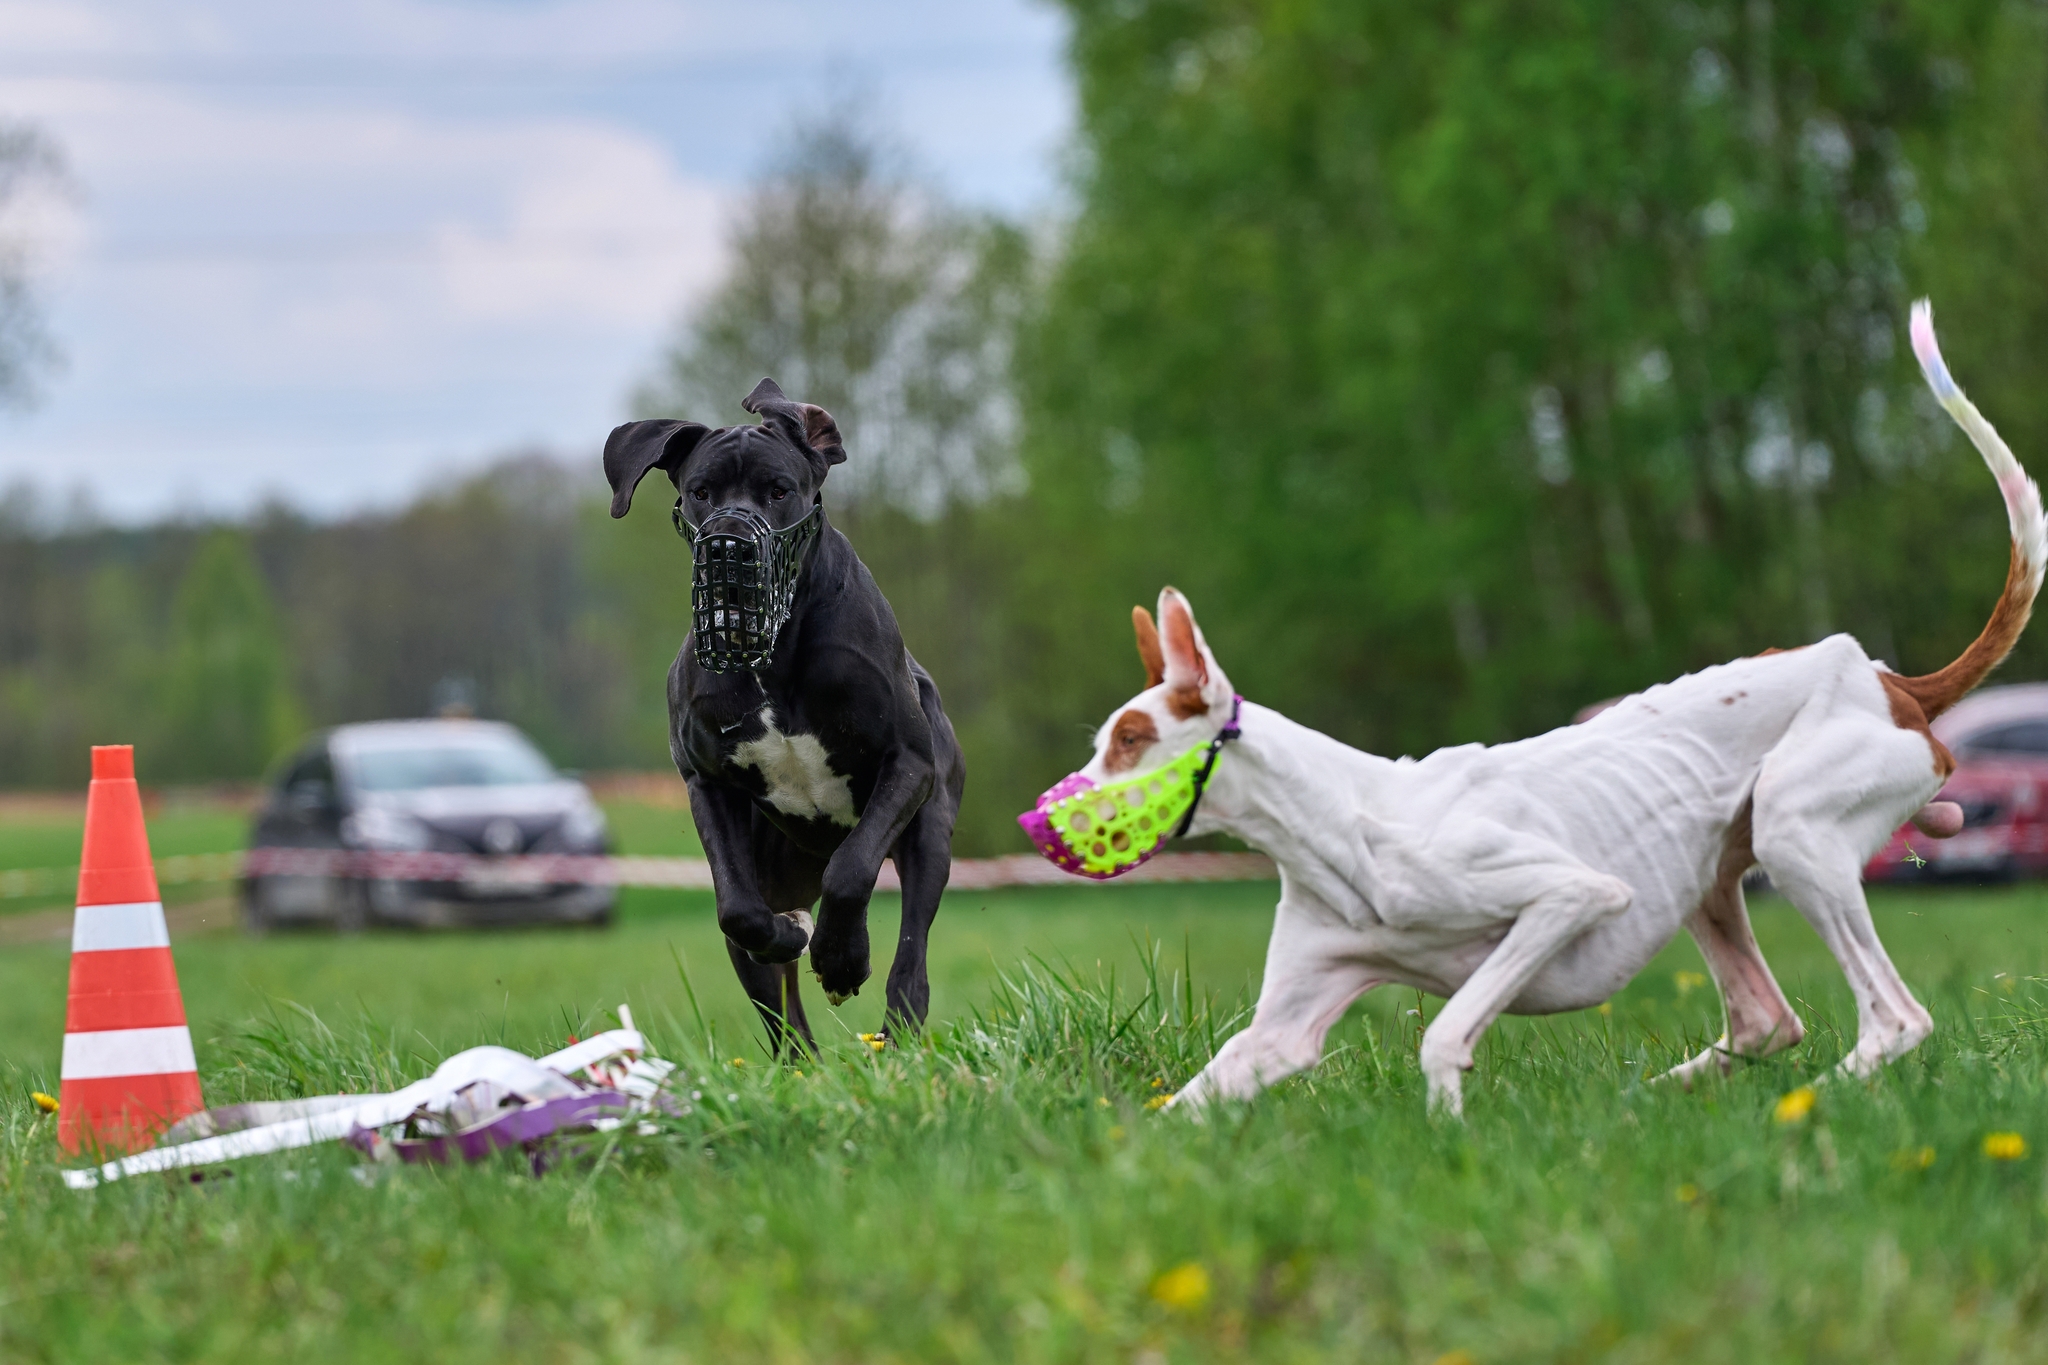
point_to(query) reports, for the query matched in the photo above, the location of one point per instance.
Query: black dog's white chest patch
(798, 775)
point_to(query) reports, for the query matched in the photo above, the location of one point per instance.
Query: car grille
(467, 836)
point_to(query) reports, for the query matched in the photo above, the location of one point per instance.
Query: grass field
(1000, 1191)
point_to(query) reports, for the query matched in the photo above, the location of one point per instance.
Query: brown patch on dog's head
(1149, 652)
(1133, 733)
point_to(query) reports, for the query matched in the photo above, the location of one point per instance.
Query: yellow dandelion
(876, 1041)
(1185, 1287)
(1159, 1101)
(1913, 1159)
(739, 1061)
(46, 1103)
(2004, 1146)
(1158, 1082)
(1102, 1101)
(1606, 1009)
(1688, 1193)
(1794, 1105)
(1688, 982)
(1116, 1133)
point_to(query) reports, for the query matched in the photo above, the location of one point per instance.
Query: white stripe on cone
(128, 1052)
(100, 928)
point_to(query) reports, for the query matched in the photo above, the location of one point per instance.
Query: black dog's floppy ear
(809, 427)
(636, 447)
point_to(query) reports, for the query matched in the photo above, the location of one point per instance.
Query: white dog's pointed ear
(1148, 647)
(1193, 681)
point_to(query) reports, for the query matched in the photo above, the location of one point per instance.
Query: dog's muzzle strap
(1229, 732)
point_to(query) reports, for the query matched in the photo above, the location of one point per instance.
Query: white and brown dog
(1542, 875)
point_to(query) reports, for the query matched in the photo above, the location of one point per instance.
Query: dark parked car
(1999, 736)
(421, 787)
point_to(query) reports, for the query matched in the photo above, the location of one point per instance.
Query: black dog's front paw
(792, 939)
(840, 962)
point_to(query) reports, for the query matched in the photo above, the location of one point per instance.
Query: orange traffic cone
(128, 1067)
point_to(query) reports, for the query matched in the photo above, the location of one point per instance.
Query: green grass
(653, 831)
(52, 841)
(1000, 1192)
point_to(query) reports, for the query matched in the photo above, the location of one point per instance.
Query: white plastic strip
(128, 1052)
(576, 1056)
(372, 1111)
(99, 928)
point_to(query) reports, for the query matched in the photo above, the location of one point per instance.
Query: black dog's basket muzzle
(742, 584)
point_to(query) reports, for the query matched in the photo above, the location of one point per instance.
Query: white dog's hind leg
(1760, 1020)
(1575, 899)
(1889, 1021)
(1814, 851)
(1308, 985)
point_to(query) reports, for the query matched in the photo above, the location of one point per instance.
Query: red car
(2000, 739)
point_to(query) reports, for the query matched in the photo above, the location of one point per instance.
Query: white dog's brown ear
(636, 447)
(809, 427)
(1187, 670)
(1148, 646)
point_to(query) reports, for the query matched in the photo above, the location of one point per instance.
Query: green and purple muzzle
(1104, 830)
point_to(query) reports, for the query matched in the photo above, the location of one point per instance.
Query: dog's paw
(781, 950)
(839, 959)
(802, 920)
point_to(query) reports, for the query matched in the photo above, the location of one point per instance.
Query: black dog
(814, 746)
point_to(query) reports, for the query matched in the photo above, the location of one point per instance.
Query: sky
(338, 253)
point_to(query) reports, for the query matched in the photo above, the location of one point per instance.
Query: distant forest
(1465, 364)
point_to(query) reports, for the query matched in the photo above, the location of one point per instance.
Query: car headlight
(375, 827)
(584, 825)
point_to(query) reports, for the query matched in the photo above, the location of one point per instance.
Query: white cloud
(298, 257)
(596, 227)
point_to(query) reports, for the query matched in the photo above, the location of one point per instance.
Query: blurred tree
(482, 578)
(227, 704)
(1471, 363)
(28, 161)
(862, 290)
(859, 288)
(1465, 364)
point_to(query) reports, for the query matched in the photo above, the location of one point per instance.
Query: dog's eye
(777, 494)
(701, 494)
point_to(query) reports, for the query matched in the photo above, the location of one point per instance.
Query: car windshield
(2024, 737)
(501, 763)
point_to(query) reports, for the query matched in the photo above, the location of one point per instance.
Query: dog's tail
(1936, 692)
